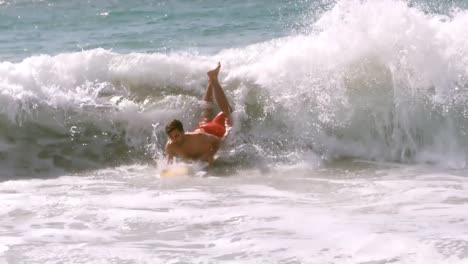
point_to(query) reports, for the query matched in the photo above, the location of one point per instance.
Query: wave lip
(375, 80)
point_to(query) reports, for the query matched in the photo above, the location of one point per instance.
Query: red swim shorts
(217, 126)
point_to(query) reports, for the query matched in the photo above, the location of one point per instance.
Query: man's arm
(215, 143)
(169, 153)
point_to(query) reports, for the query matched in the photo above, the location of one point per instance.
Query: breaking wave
(378, 80)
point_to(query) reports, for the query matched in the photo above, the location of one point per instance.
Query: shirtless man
(203, 143)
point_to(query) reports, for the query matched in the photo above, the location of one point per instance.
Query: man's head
(175, 130)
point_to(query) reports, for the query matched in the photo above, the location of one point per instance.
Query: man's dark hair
(174, 124)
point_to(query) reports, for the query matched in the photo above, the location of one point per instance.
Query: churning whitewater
(360, 83)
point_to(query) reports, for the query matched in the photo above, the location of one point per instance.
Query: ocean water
(349, 142)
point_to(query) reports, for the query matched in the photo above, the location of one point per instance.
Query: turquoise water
(52, 27)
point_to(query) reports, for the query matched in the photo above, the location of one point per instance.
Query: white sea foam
(371, 213)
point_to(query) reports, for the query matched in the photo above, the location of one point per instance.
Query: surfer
(203, 143)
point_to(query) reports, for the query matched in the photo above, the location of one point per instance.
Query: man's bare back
(204, 142)
(197, 145)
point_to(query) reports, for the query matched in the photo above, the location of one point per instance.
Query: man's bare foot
(213, 74)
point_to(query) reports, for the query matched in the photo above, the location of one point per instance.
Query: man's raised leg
(218, 92)
(207, 111)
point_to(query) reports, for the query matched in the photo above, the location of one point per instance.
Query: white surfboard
(176, 171)
(182, 169)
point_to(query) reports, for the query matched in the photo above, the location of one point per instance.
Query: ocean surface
(349, 144)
